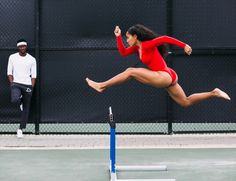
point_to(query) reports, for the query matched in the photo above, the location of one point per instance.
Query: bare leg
(145, 76)
(176, 92)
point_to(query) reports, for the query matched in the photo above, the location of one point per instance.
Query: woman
(144, 41)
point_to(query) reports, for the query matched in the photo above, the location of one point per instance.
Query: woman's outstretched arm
(166, 39)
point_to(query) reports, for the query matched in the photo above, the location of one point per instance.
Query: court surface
(37, 158)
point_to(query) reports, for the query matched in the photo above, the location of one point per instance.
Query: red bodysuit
(150, 55)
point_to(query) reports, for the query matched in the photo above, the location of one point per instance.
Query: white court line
(70, 142)
(124, 148)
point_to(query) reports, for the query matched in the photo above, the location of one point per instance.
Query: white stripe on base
(142, 167)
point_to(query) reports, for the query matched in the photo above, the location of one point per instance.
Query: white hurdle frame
(114, 168)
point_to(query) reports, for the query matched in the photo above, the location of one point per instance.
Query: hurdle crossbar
(114, 168)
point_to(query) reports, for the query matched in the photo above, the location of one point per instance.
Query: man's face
(22, 49)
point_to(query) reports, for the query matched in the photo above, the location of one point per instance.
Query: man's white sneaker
(19, 133)
(21, 106)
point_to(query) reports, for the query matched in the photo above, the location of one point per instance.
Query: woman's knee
(185, 103)
(130, 71)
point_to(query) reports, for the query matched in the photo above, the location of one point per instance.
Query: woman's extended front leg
(118, 79)
(145, 76)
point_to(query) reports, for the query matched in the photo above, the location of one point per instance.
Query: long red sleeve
(161, 40)
(150, 55)
(125, 51)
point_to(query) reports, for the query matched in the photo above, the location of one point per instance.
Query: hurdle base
(145, 180)
(113, 176)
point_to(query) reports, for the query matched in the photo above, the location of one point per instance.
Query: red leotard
(150, 55)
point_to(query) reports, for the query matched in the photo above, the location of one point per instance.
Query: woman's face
(131, 39)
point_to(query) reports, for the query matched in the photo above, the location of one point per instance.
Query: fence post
(37, 88)
(169, 32)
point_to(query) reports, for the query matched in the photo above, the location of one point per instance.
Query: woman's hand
(188, 49)
(117, 31)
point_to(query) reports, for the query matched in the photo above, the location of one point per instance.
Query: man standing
(21, 73)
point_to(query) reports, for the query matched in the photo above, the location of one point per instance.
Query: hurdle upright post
(112, 146)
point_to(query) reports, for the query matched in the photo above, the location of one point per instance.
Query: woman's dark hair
(144, 34)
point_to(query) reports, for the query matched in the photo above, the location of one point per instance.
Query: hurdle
(113, 168)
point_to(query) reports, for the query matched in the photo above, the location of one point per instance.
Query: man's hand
(33, 80)
(10, 78)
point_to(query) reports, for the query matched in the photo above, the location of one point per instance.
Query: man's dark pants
(21, 93)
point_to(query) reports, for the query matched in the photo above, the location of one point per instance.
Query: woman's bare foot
(94, 85)
(221, 94)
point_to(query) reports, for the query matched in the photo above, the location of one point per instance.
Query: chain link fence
(72, 40)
